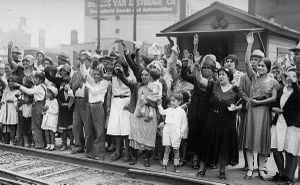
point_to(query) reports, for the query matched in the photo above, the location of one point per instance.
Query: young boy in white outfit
(173, 129)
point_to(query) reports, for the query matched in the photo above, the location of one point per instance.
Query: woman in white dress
(119, 124)
(285, 131)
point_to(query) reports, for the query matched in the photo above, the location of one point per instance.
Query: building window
(117, 30)
(117, 17)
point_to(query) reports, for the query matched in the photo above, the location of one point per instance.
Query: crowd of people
(176, 106)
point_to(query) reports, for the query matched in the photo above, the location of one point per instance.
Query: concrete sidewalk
(235, 175)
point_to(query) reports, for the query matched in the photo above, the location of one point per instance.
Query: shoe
(126, 159)
(276, 178)
(47, 147)
(176, 169)
(52, 147)
(63, 148)
(289, 182)
(182, 163)
(115, 157)
(195, 164)
(248, 177)
(132, 161)
(26, 145)
(77, 150)
(222, 175)
(164, 167)
(201, 173)
(262, 177)
(147, 162)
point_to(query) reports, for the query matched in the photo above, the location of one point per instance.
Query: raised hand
(250, 38)
(175, 49)
(10, 44)
(196, 39)
(197, 57)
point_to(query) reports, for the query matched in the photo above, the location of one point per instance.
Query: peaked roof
(254, 19)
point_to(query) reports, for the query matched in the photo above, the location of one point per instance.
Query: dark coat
(291, 108)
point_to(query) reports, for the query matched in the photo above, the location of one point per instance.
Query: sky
(59, 17)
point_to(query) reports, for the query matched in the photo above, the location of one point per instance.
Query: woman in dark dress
(198, 109)
(219, 139)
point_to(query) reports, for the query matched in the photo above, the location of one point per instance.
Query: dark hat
(228, 72)
(297, 48)
(209, 63)
(63, 56)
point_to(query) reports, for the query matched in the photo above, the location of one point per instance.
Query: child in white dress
(174, 129)
(8, 111)
(50, 118)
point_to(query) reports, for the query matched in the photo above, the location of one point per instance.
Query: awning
(212, 32)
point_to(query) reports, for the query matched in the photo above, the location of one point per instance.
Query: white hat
(257, 53)
(53, 90)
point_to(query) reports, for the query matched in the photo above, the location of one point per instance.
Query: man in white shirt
(94, 129)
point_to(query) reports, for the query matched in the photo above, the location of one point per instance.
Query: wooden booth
(222, 30)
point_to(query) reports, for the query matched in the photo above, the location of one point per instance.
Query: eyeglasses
(229, 61)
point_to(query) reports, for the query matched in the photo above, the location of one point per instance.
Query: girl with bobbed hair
(263, 92)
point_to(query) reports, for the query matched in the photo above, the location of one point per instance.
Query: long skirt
(119, 119)
(219, 140)
(142, 133)
(258, 134)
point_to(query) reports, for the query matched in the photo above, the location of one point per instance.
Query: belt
(79, 98)
(96, 103)
(121, 96)
(9, 101)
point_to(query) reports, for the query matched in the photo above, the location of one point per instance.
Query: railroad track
(28, 166)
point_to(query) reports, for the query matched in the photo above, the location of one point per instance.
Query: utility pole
(98, 27)
(134, 20)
